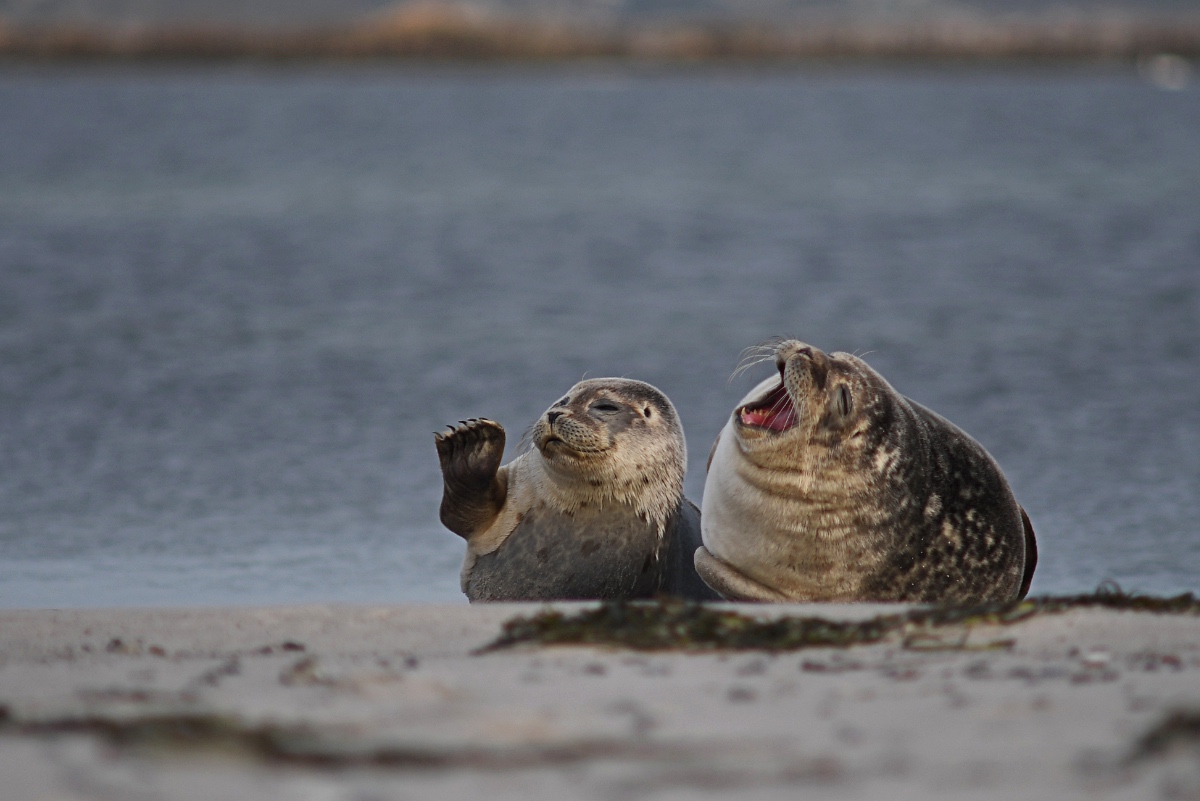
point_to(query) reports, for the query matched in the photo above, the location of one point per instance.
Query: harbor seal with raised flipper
(594, 510)
(827, 484)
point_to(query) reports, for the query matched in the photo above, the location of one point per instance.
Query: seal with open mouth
(594, 510)
(828, 485)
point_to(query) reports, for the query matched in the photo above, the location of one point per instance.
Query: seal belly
(766, 525)
(551, 555)
(729, 505)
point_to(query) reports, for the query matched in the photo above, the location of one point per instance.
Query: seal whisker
(748, 362)
(752, 358)
(766, 346)
(756, 354)
(525, 443)
(753, 355)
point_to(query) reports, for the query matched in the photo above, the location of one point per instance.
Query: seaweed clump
(1181, 727)
(688, 626)
(679, 625)
(318, 747)
(188, 731)
(1110, 596)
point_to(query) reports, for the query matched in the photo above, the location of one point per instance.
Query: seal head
(612, 440)
(594, 510)
(828, 485)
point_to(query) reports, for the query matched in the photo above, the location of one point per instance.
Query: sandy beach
(362, 702)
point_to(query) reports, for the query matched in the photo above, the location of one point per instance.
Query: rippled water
(234, 304)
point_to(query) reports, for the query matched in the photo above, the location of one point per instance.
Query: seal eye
(844, 402)
(606, 407)
(646, 412)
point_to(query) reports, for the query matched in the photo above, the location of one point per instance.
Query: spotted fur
(868, 497)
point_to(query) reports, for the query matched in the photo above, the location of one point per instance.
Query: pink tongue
(772, 418)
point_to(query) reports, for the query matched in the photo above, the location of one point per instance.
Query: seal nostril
(788, 350)
(552, 416)
(781, 359)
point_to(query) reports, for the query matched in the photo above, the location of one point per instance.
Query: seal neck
(651, 488)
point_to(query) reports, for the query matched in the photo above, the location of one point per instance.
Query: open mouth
(774, 412)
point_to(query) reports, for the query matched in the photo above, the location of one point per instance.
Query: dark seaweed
(663, 624)
(1179, 727)
(683, 626)
(191, 733)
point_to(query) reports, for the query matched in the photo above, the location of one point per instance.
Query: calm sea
(235, 303)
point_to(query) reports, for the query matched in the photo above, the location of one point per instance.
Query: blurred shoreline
(444, 32)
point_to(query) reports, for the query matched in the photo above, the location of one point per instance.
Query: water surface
(236, 303)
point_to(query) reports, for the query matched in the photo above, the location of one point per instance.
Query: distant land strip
(434, 33)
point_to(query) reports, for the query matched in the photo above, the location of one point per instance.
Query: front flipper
(731, 584)
(473, 488)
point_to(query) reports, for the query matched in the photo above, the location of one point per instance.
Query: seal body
(594, 510)
(828, 485)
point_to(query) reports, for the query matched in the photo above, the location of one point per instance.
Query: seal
(826, 484)
(594, 510)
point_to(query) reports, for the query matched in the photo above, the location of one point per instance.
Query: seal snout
(776, 411)
(812, 361)
(788, 350)
(545, 433)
